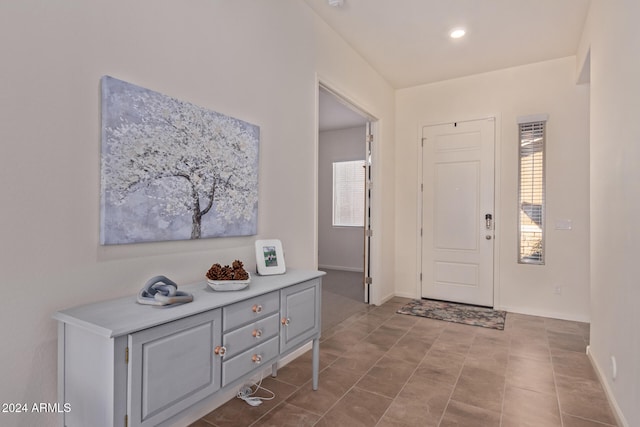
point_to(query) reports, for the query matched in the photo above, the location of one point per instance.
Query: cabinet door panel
(175, 366)
(300, 314)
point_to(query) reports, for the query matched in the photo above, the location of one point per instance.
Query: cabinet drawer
(250, 310)
(251, 359)
(248, 336)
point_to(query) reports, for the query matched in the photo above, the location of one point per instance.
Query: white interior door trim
(499, 211)
(375, 249)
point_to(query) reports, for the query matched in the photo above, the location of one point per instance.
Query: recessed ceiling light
(336, 3)
(457, 33)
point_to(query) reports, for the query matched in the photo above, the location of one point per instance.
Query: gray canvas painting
(172, 170)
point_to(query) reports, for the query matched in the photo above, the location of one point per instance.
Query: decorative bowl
(229, 285)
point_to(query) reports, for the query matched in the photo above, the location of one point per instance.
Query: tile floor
(379, 368)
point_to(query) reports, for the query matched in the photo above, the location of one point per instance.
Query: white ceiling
(408, 43)
(335, 114)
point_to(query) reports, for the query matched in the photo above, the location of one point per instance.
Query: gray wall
(338, 247)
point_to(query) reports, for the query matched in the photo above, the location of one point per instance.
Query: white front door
(458, 211)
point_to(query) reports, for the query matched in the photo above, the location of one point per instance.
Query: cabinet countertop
(122, 316)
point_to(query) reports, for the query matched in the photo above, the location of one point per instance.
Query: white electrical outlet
(557, 290)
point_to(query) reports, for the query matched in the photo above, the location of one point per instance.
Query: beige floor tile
(530, 408)
(488, 354)
(286, 415)
(429, 326)
(299, 371)
(384, 338)
(583, 398)
(420, 403)
(492, 336)
(342, 341)
(410, 349)
(237, 413)
(571, 421)
(573, 364)
(387, 377)
(451, 342)
(360, 358)
(530, 348)
(566, 341)
(358, 408)
(531, 374)
(402, 322)
(439, 367)
(459, 414)
(201, 423)
(567, 326)
(480, 388)
(332, 385)
(522, 323)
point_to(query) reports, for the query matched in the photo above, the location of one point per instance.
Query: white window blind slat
(348, 193)
(531, 192)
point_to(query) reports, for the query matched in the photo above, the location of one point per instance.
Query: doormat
(457, 313)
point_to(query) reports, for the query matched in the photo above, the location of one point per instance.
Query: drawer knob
(220, 350)
(257, 333)
(285, 321)
(256, 358)
(257, 308)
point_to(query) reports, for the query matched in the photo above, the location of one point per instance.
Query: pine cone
(235, 272)
(215, 272)
(240, 274)
(227, 273)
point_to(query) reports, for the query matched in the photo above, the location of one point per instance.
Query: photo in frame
(269, 257)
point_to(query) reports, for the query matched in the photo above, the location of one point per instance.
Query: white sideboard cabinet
(125, 364)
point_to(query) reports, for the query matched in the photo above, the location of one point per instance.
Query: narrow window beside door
(531, 190)
(348, 193)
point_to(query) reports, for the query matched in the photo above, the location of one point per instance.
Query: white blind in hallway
(348, 193)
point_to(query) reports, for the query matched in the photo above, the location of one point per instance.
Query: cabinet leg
(274, 370)
(316, 362)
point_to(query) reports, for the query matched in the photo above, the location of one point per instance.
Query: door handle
(488, 218)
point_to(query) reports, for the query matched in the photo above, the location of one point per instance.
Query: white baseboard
(385, 298)
(617, 412)
(407, 295)
(341, 268)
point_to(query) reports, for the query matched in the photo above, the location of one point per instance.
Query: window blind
(348, 193)
(531, 189)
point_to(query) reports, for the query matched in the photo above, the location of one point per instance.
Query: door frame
(372, 259)
(499, 213)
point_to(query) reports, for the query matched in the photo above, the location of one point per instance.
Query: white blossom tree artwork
(172, 170)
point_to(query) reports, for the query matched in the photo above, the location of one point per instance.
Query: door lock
(488, 218)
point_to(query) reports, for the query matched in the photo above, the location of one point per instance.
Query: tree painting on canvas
(172, 170)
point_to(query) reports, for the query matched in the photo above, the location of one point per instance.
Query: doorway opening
(344, 198)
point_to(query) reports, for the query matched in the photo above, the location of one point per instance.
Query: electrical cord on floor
(247, 393)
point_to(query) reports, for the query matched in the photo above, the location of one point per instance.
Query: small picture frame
(269, 257)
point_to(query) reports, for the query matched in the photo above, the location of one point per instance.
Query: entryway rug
(458, 313)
